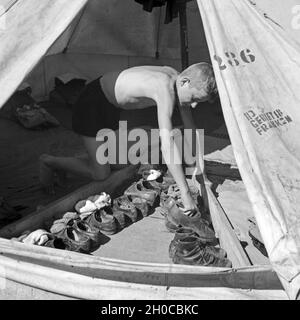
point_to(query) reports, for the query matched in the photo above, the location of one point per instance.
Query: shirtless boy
(135, 88)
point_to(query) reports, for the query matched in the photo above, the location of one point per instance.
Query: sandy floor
(147, 240)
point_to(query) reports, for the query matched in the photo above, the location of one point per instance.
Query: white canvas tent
(103, 35)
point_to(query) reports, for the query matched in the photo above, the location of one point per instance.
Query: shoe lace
(124, 204)
(207, 256)
(191, 212)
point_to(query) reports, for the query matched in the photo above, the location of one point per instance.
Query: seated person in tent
(135, 88)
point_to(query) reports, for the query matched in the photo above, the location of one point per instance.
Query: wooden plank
(39, 219)
(227, 237)
(226, 234)
(234, 200)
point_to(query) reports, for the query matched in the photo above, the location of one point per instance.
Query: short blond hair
(201, 76)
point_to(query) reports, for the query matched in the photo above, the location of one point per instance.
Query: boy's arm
(195, 144)
(170, 151)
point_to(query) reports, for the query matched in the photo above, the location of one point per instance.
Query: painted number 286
(234, 60)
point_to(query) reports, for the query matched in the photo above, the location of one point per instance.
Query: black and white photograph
(149, 151)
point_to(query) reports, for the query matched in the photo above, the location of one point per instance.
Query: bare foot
(46, 175)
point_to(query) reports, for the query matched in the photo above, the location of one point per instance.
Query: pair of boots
(189, 249)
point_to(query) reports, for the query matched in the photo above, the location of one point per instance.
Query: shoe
(97, 238)
(164, 196)
(152, 185)
(141, 205)
(92, 204)
(188, 239)
(123, 209)
(151, 175)
(72, 220)
(190, 253)
(58, 243)
(37, 237)
(142, 190)
(174, 192)
(66, 218)
(103, 220)
(162, 211)
(196, 223)
(171, 226)
(160, 183)
(76, 241)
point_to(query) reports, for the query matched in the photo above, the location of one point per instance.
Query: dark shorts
(93, 112)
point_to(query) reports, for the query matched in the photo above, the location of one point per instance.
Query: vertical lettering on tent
(2, 278)
(296, 17)
(2, 19)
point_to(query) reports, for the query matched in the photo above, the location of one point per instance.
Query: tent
(254, 48)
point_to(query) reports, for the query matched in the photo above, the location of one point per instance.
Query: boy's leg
(143, 153)
(84, 166)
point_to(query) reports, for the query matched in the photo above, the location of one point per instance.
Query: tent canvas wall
(252, 90)
(95, 45)
(108, 35)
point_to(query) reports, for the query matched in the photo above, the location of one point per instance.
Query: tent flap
(257, 66)
(24, 39)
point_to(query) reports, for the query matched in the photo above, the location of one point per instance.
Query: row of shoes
(94, 220)
(68, 233)
(194, 242)
(97, 217)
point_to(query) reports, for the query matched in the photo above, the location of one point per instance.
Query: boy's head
(196, 84)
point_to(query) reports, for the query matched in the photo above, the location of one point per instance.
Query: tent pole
(183, 35)
(158, 34)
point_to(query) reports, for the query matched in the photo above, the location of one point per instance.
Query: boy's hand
(188, 202)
